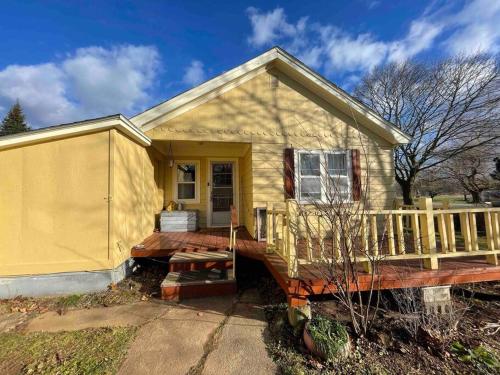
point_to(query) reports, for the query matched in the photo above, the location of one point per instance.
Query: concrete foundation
(63, 283)
(436, 299)
(297, 316)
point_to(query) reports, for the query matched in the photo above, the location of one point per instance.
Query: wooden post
(465, 230)
(400, 234)
(390, 235)
(291, 238)
(269, 228)
(308, 237)
(428, 233)
(443, 234)
(450, 230)
(473, 232)
(416, 233)
(495, 225)
(374, 234)
(490, 234)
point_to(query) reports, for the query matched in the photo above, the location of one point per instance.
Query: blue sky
(71, 60)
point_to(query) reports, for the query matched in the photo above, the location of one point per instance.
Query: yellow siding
(246, 178)
(272, 118)
(53, 208)
(137, 194)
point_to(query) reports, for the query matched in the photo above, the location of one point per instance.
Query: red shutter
(356, 175)
(289, 163)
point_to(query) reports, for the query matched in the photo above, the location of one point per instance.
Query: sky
(72, 60)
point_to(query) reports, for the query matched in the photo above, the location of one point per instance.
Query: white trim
(190, 99)
(236, 188)
(323, 172)
(197, 170)
(118, 122)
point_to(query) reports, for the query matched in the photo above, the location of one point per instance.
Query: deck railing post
(428, 233)
(291, 237)
(489, 223)
(269, 228)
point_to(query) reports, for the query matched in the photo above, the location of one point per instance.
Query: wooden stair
(198, 274)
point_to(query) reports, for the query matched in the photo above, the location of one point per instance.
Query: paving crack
(213, 340)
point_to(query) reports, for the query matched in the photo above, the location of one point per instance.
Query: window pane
(186, 173)
(309, 165)
(310, 188)
(185, 191)
(338, 187)
(337, 164)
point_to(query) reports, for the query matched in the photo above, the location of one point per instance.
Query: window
(186, 181)
(323, 175)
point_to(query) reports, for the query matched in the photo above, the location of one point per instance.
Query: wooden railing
(299, 235)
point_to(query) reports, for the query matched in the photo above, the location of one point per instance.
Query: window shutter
(289, 164)
(356, 175)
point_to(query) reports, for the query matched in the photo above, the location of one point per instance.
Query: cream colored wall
(201, 152)
(246, 178)
(272, 117)
(53, 207)
(137, 189)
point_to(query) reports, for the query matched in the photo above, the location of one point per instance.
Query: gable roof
(118, 122)
(282, 60)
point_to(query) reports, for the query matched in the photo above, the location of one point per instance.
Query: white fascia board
(119, 122)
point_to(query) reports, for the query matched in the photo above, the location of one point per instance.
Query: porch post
(428, 233)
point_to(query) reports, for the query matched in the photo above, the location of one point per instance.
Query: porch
(400, 273)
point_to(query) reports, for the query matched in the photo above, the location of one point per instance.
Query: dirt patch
(471, 347)
(92, 351)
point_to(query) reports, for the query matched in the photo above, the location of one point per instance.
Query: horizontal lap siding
(274, 118)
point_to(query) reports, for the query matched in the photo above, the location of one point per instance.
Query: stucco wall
(275, 113)
(53, 207)
(137, 194)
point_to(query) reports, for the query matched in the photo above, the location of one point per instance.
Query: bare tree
(453, 102)
(471, 170)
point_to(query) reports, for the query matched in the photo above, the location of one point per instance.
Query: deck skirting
(63, 282)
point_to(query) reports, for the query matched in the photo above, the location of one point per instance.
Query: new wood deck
(394, 274)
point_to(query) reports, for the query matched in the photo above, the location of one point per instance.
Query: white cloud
(475, 28)
(90, 82)
(194, 73)
(469, 29)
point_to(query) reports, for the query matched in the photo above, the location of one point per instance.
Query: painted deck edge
(64, 282)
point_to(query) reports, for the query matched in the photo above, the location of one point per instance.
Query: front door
(221, 193)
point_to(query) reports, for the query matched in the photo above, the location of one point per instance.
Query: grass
(90, 351)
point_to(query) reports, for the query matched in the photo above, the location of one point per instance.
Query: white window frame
(323, 173)
(175, 183)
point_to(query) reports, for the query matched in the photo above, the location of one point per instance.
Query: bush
(329, 336)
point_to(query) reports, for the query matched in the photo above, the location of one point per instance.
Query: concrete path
(175, 342)
(241, 349)
(124, 315)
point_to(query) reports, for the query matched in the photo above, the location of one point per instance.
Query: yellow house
(75, 198)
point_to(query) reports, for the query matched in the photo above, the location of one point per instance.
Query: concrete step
(197, 284)
(200, 260)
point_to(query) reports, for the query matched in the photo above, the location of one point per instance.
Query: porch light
(170, 156)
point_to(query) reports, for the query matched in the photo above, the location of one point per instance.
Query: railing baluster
(450, 230)
(473, 232)
(400, 234)
(465, 230)
(308, 237)
(489, 222)
(336, 232)
(364, 234)
(269, 228)
(291, 238)
(495, 224)
(416, 233)
(374, 234)
(390, 234)
(443, 234)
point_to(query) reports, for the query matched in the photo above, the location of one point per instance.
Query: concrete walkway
(135, 314)
(175, 342)
(241, 349)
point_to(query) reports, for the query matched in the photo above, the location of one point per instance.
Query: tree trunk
(476, 198)
(407, 192)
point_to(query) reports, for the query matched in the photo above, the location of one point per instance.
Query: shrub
(329, 336)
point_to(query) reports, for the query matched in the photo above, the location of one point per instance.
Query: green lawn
(90, 351)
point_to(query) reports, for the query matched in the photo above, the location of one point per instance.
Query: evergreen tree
(14, 122)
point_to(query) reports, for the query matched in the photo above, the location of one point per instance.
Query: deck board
(393, 274)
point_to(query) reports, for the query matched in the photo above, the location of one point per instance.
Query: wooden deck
(394, 274)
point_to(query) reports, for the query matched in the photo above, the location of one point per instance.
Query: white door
(221, 192)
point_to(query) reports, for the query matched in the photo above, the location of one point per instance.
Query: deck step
(200, 260)
(197, 283)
